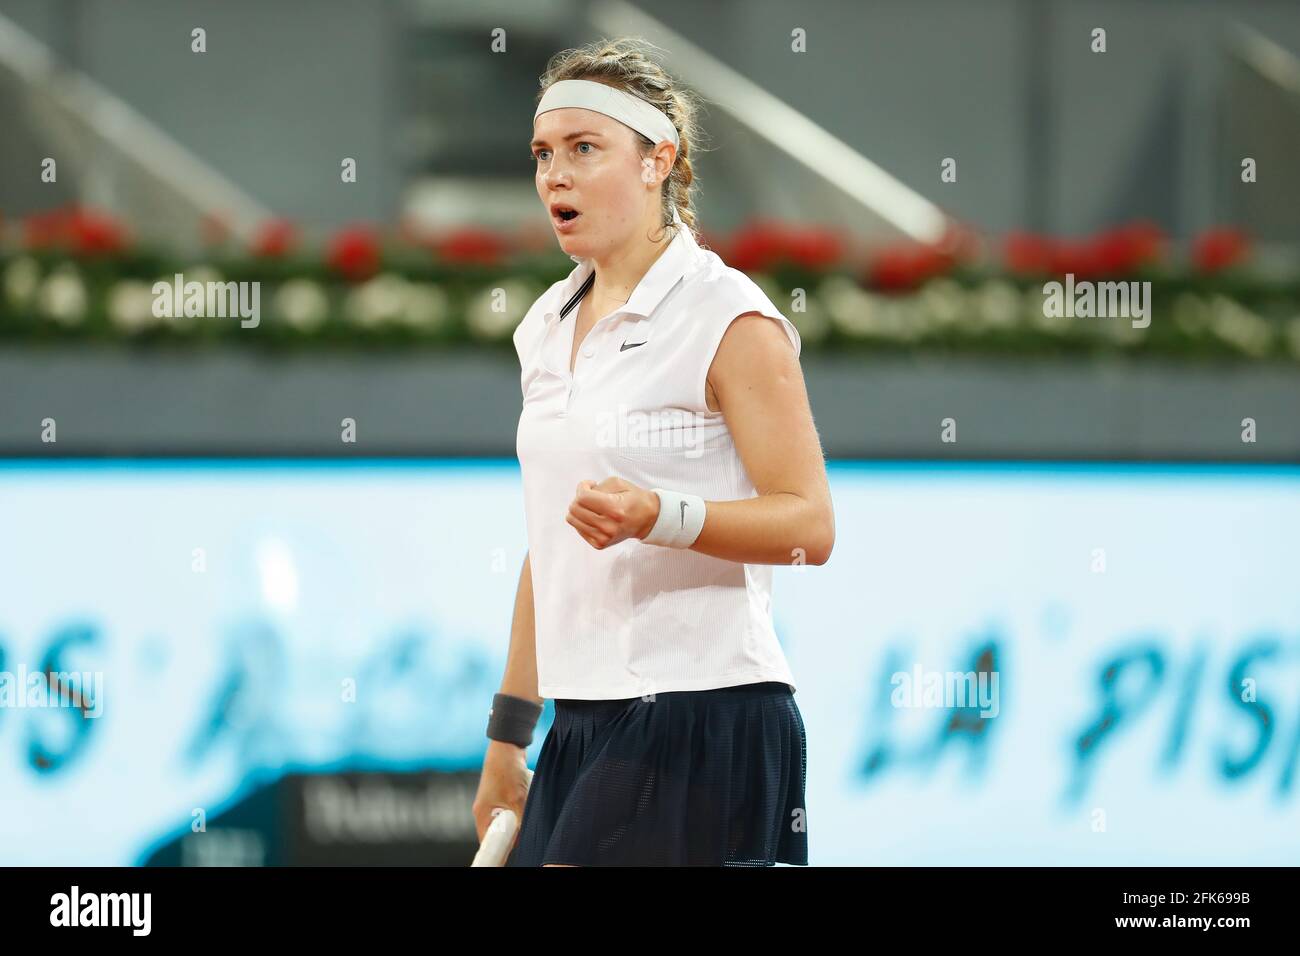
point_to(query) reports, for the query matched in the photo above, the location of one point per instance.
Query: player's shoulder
(721, 293)
(718, 289)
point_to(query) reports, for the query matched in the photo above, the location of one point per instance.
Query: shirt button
(589, 351)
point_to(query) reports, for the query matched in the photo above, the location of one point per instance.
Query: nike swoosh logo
(625, 346)
(683, 514)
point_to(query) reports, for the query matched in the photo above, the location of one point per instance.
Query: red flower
(1127, 247)
(95, 234)
(1219, 248)
(1145, 240)
(85, 232)
(906, 265)
(757, 246)
(1109, 252)
(42, 230)
(471, 245)
(1082, 258)
(815, 247)
(354, 252)
(1028, 253)
(275, 238)
(761, 244)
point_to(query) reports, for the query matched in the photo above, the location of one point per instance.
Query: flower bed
(76, 275)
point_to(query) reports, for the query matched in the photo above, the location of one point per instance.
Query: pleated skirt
(684, 778)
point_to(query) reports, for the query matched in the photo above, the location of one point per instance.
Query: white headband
(629, 110)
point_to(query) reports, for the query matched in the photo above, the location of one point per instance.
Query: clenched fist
(609, 512)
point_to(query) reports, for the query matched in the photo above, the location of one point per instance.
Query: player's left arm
(758, 385)
(756, 382)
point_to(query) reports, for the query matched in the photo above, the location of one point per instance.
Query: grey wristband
(512, 719)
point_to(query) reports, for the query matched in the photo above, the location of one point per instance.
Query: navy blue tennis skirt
(684, 778)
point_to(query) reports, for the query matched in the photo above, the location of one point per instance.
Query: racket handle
(497, 840)
(500, 835)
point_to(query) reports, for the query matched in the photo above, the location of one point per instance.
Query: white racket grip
(496, 841)
(500, 836)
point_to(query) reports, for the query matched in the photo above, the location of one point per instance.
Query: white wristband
(681, 517)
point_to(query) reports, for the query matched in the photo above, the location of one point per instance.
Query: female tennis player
(669, 459)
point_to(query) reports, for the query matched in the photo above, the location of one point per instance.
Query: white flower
(998, 304)
(901, 318)
(1191, 314)
(850, 306)
(1035, 312)
(426, 307)
(1293, 336)
(378, 302)
(1240, 327)
(861, 314)
(943, 301)
(301, 303)
(493, 313)
(62, 296)
(130, 305)
(21, 280)
(202, 275)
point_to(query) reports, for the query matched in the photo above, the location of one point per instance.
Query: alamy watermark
(1102, 300)
(946, 689)
(129, 910)
(674, 428)
(83, 690)
(222, 300)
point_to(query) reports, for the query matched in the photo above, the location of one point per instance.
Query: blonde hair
(626, 64)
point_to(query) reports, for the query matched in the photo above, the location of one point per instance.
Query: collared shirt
(634, 619)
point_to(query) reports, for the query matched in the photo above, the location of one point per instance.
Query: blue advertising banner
(1000, 664)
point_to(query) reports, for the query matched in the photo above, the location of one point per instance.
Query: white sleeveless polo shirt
(636, 619)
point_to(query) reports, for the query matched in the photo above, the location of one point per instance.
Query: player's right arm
(503, 782)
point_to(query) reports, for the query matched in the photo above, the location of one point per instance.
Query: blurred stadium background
(294, 640)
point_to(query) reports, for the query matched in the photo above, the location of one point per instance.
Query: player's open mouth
(564, 216)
